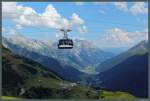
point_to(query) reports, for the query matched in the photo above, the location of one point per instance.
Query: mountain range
(127, 71)
(84, 54)
(67, 72)
(140, 48)
(25, 78)
(131, 75)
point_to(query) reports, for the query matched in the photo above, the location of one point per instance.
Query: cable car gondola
(65, 43)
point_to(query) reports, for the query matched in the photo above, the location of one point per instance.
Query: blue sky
(124, 24)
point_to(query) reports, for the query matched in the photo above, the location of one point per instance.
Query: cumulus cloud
(135, 9)
(120, 38)
(76, 20)
(139, 36)
(27, 16)
(121, 5)
(138, 8)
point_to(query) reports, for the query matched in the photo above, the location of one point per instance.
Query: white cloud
(139, 36)
(76, 20)
(135, 9)
(9, 32)
(27, 16)
(9, 9)
(13, 32)
(82, 30)
(51, 18)
(121, 5)
(139, 8)
(120, 38)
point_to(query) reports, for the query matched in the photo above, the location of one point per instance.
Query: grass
(89, 70)
(41, 81)
(10, 98)
(116, 95)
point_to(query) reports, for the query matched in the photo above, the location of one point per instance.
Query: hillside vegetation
(24, 78)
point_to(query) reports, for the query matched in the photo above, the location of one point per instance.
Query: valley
(84, 54)
(57, 77)
(75, 50)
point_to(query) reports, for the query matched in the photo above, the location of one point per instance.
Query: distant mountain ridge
(83, 54)
(67, 72)
(140, 48)
(127, 71)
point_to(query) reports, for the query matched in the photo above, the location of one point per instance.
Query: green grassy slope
(24, 78)
(37, 82)
(116, 95)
